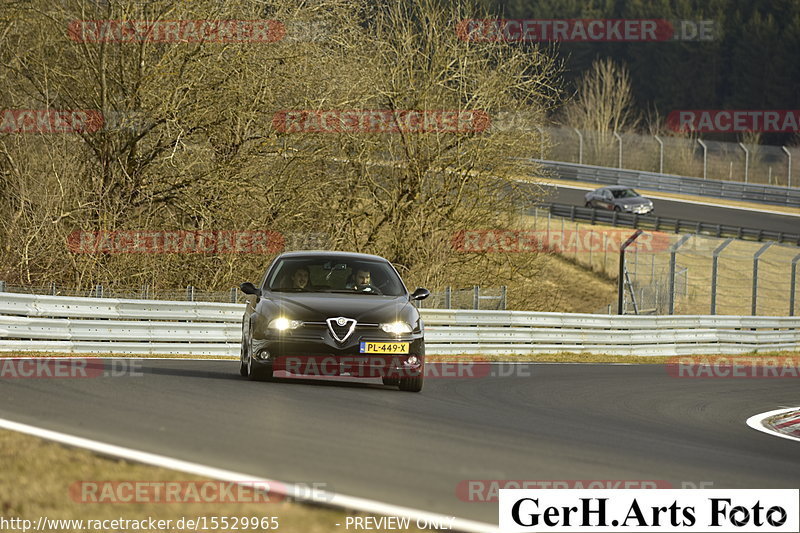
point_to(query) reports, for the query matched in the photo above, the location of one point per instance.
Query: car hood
(313, 307)
(638, 200)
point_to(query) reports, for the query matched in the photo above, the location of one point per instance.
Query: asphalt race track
(545, 422)
(699, 213)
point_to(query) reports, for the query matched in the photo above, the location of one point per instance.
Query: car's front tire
(414, 383)
(257, 371)
(243, 359)
(391, 381)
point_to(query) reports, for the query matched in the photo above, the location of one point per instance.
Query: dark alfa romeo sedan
(333, 314)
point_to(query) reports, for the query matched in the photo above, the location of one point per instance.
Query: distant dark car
(333, 314)
(619, 198)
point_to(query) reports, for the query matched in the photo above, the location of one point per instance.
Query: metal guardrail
(92, 325)
(659, 223)
(652, 181)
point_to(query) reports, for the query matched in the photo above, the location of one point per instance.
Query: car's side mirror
(420, 294)
(249, 288)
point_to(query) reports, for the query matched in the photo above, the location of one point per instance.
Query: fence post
(619, 140)
(746, 161)
(793, 284)
(190, 293)
(503, 290)
(705, 158)
(754, 298)
(672, 252)
(447, 296)
(476, 297)
(580, 146)
(714, 262)
(660, 155)
(541, 142)
(789, 171)
(622, 272)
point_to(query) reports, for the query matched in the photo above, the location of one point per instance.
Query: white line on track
(651, 194)
(287, 489)
(757, 422)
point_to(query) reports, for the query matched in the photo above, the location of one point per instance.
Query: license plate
(384, 347)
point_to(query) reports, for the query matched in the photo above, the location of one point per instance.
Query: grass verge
(41, 479)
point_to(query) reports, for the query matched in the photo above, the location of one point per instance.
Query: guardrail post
(233, 295)
(754, 298)
(672, 252)
(705, 158)
(503, 290)
(98, 291)
(2, 286)
(619, 140)
(580, 146)
(789, 171)
(53, 291)
(447, 296)
(714, 263)
(476, 297)
(190, 293)
(793, 284)
(660, 154)
(746, 161)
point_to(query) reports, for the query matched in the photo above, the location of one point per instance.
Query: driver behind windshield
(300, 278)
(362, 281)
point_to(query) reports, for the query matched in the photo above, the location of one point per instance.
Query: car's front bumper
(315, 352)
(639, 209)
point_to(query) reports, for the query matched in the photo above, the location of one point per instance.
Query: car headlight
(626, 206)
(396, 327)
(283, 323)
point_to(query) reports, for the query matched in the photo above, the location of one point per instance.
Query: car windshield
(624, 193)
(335, 275)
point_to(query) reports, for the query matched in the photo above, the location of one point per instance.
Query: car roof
(331, 253)
(615, 187)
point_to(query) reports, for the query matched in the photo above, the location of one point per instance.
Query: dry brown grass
(37, 475)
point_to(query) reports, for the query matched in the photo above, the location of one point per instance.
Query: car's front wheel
(243, 360)
(391, 381)
(257, 371)
(413, 383)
